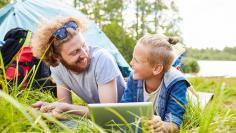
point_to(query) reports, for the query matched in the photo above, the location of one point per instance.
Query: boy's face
(75, 54)
(142, 68)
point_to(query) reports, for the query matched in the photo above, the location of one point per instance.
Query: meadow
(17, 115)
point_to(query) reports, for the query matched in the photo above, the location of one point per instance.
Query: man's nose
(83, 53)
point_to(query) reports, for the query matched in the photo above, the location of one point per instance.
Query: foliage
(219, 115)
(124, 42)
(228, 53)
(4, 2)
(156, 16)
(190, 65)
(18, 116)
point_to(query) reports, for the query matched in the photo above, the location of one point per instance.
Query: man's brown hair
(44, 40)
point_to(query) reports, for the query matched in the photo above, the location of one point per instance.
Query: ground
(218, 116)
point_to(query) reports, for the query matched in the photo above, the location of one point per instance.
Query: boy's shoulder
(173, 75)
(136, 83)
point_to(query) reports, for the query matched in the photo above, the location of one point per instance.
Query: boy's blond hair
(159, 49)
(43, 39)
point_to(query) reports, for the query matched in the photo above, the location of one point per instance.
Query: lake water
(217, 68)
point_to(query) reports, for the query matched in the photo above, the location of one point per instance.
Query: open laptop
(112, 115)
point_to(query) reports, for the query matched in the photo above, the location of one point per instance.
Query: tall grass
(16, 114)
(217, 116)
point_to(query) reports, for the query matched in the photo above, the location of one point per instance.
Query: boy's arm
(176, 103)
(157, 125)
(128, 93)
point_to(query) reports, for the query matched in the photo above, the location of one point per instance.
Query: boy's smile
(142, 68)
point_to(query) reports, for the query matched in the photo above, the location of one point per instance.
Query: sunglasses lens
(72, 25)
(61, 33)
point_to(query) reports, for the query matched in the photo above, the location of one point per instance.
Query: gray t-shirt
(102, 70)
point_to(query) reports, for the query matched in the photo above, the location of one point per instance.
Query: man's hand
(39, 104)
(54, 109)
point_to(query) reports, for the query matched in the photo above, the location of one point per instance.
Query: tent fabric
(28, 14)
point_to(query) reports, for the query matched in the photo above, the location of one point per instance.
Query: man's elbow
(64, 95)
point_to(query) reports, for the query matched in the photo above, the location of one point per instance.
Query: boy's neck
(152, 84)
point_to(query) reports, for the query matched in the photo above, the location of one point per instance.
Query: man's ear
(157, 69)
(57, 57)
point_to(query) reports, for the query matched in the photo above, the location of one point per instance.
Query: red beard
(76, 68)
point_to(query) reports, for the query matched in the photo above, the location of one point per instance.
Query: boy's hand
(156, 125)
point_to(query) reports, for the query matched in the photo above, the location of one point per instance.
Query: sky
(208, 23)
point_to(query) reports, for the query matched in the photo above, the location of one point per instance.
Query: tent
(29, 13)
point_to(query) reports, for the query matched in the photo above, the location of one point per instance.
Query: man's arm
(57, 108)
(108, 92)
(64, 94)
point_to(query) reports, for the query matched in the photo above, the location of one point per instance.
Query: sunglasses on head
(61, 33)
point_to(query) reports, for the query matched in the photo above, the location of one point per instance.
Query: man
(89, 72)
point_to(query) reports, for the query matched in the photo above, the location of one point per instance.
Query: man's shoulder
(96, 52)
(100, 54)
(59, 68)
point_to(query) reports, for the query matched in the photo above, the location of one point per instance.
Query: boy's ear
(157, 69)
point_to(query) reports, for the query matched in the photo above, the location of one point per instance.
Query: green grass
(220, 114)
(17, 115)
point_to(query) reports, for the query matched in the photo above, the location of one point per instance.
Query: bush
(190, 65)
(121, 39)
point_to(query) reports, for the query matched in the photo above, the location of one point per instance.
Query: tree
(92, 8)
(84, 6)
(4, 2)
(228, 53)
(124, 43)
(113, 10)
(151, 16)
(190, 65)
(143, 10)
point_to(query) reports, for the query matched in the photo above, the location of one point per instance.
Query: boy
(154, 80)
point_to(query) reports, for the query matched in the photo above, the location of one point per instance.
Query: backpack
(18, 61)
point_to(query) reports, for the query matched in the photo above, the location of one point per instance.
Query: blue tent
(29, 13)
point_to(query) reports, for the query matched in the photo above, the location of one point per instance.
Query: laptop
(118, 115)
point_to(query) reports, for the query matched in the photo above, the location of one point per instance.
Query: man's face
(75, 54)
